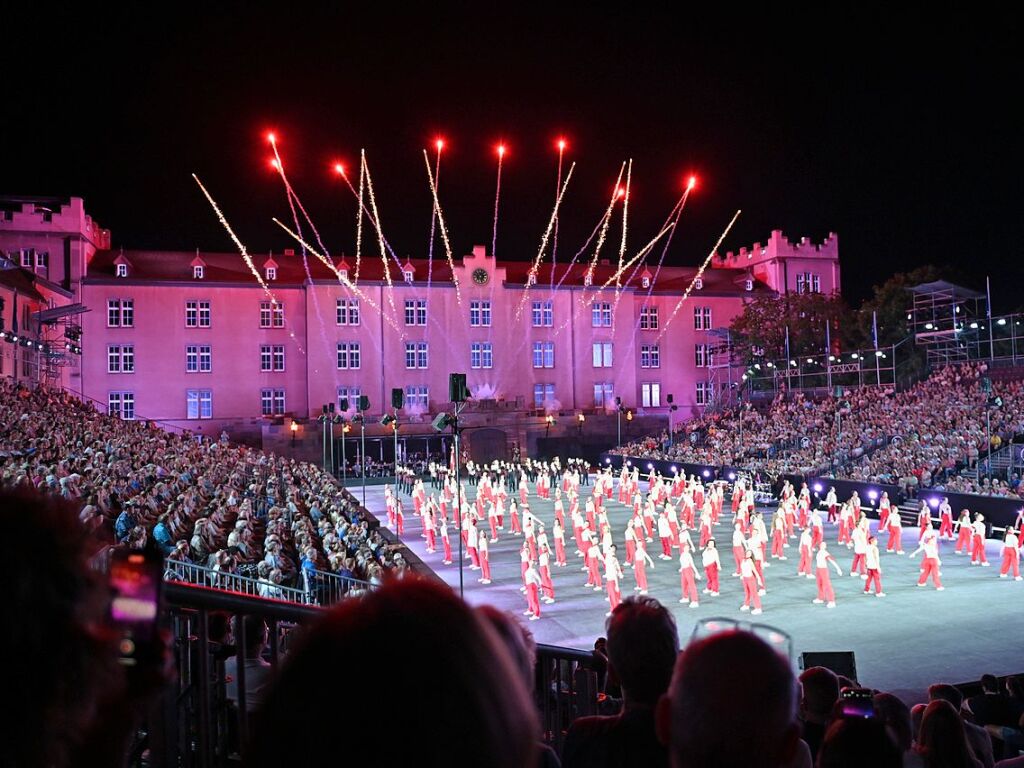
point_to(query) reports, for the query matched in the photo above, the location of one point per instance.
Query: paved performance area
(903, 642)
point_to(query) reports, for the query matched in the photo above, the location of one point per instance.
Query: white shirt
(821, 559)
(710, 557)
(979, 528)
(871, 558)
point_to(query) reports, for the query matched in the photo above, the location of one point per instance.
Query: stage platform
(903, 642)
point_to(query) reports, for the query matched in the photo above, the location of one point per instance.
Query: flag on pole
(874, 327)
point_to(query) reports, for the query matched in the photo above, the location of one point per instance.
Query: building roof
(950, 289)
(21, 280)
(175, 266)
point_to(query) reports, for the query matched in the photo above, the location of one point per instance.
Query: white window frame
(271, 273)
(703, 390)
(346, 312)
(199, 404)
(604, 394)
(272, 402)
(603, 356)
(121, 270)
(350, 392)
(650, 394)
(698, 283)
(645, 282)
(277, 354)
(481, 355)
(198, 272)
(349, 356)
(205, 358)
(407, 275)
(121, 404)
(191, 358)
(543, 393)
(650, 356)
(417, 395)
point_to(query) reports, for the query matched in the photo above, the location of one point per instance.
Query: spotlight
(706, 473)
(650, 466)
(933, 502)
(732, 475)
(386, 420)
(818, 487)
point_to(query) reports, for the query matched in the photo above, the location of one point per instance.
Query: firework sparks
(443, 227)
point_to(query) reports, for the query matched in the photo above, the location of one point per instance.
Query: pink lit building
(186, 337)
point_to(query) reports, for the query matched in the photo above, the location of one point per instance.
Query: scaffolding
(722, 380)
(947, 322)
(60, 336)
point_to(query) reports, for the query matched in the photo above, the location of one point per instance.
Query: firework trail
(497, 196)
(443, 227)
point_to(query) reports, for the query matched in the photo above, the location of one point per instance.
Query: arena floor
(903, 642)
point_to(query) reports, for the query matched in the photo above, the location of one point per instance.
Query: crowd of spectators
(228, 508)
(917, 438)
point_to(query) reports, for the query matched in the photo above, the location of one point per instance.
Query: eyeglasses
(781, 642)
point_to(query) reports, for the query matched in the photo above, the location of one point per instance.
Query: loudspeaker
(440, 422)
(364, 402)
(343, 404)
(670, 398)
(331, 407)
(618, 401)
(457, 391)
(397, 397)
(840, 662)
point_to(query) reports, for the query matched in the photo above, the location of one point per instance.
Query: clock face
(480, 276)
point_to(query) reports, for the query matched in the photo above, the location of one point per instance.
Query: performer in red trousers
(485, 563)
(884, 509)
(924, 519)
(739, 548)
(806, 544)
(822, 560)
(779, 535)
(665, 534)
(860, 549)
(964, 532)
(688, 577)
(751, 585)
(712, 567)
(945, 520)
(1011, 555)
(612, 574)
(546, 585)
(532, 581)
(874, 564)
(558, 533)
(593, 565)
(931, 563)
(978, 541)
(640, 560)
(895, 543)
(447, 544)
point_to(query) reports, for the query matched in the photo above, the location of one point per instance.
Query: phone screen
(135, 580)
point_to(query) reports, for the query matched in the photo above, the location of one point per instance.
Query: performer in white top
(822, 560)
(977, 542)
(688, 577)
(532, 580)
(930, 564)
(712, 567)
(860, 549)
(640, 560)
(612, 574)
(873, 561)
(1011, 555)
(751, 582)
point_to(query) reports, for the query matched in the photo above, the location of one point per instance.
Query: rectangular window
(271, 314)
(542, 394)
(416, 354)
(42, 260)
(347, 311)
(801, 282)
(650, 356)
(480, 314)
(113, 313)
(648, 318)
(272, 402)
(199, 403)
(205, 359)
(204, 314)
(651, 395)
(415, 311)
(703, 393)
(604, 394)
(191, 314)
(481, 355)
(543, 315)
(702, 356)
(349, 355)
(122, 270)
(266, 358)
(351, 394)
(815, 284)
(120, 313)
(279, 315)
(278, 351)
(602, 354)
(601, 314)
(121, 404)
(544, 354)
(26, 258)
(191, 358)
(266, 314)
(416, 397)
(127, 313)
(702, 318)
(113, 359)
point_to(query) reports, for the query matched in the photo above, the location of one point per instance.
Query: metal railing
(200, 576)
(197, 723)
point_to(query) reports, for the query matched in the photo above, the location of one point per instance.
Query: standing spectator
(977, 737)
(819, 691)
(258, 673)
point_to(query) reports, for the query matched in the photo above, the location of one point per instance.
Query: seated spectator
(856, 742)
(732, 702)
(258, 673)
(642, 647)
(977, 737)
(992, 706)
(463, 680)
(895, 715)
(819, 691)
(942, 742)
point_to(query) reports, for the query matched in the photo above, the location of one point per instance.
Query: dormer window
(271, 273)
(343, 273)
(407, 275)
(198, 271)
(121, 270)
(748, 284)
(588, 279)
(532, 279)
(646, 282)
(698, 283)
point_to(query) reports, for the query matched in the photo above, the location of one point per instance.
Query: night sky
(899, 134)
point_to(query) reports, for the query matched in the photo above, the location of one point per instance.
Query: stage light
(620, 192)
(650, 466)
(706, 473)
(831, 358)
(928, 326)
(769, 364)
(933, 502)
(607, 461)
(732, 475)
(580, 418)
(629, 463)
(818, 487)
(872, 494)
(1001, 321)
(675, 470)
(809, 360)
(295, 427)
(387, 419)
(793, 363)
(855, 356)
(974, 326)
(275, 165)
(878, 353)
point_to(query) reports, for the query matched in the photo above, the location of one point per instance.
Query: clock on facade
(480, 276)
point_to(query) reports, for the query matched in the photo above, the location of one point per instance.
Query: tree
(759, 332)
